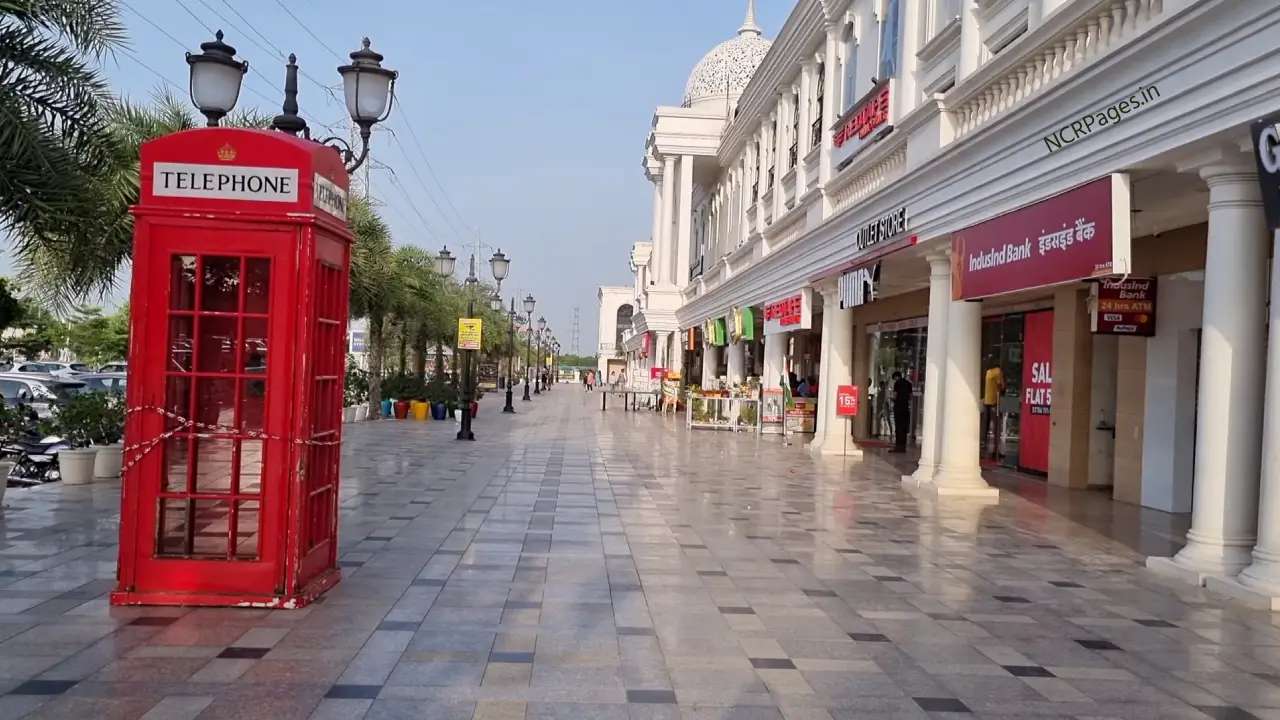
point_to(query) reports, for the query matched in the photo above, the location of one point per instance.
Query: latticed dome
(723, 73)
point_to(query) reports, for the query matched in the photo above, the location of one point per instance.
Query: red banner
(1037, 391)
(847, 401)
(1078, 234)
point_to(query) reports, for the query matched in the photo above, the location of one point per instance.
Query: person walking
(992, 386)
(901, 412)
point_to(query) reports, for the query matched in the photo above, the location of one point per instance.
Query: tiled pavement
(575, 565)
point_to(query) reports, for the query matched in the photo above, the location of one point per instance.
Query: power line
(413, 135)
(426, 191)
(395, 181)
(308, 31)
(152, 70)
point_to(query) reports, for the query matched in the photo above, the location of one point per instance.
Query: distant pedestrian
(901, 412)
(992, 386)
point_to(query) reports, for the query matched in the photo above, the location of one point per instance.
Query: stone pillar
(1259, 583)
(654, 275)
(710, 362)
(775, 348)
(664, 252)
(958, 471)
(1069, 421)
(829, 110)
(934, 366)
(1102, 410)
(832, 437)
(736, 361)
(684, 205)
(1229, 406)
(970, 40)
(676, 357)
(806, 111)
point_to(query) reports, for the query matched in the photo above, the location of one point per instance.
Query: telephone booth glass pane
(326, 388)
(209, 505)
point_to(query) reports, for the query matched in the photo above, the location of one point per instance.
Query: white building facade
(943, 187)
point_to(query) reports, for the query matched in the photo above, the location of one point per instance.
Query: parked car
(112, 382)
(47, 367)
(41, 393)
(114, 367)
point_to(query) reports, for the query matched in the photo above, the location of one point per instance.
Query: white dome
(724, 72)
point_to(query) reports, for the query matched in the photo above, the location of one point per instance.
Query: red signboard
(657, 373)
(1081, 233)
(1037, 391)
(847, 400)
(1124, 307)
(785, 312)
(863, 119)
(646, 344)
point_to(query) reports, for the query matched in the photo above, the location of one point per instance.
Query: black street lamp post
(528, 350)
(368, 87)
(500, 265)
(537, 373)
(511, 355)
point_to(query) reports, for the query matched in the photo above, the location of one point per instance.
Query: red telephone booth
(236, 351)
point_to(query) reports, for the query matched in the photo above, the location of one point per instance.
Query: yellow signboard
(469, 333)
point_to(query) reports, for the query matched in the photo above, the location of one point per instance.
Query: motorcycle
(35, 460)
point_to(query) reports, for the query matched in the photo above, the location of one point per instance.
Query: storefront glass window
(896, 351)
(1002, 338)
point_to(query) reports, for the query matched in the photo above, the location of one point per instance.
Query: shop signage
(887, 226)
(1266, 149)
(357, 341)
(657, 373)
(858, 286)
(646, 343)
(773, 405)
(793, 312)
(327, 196)
(1037, 391)
(1079, 234)
(225, 182)
(469, 331)
(847, 401)
(1124, 306)
(857, 129)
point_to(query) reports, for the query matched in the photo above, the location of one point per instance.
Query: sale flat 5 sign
(469, 330)
(847, 401)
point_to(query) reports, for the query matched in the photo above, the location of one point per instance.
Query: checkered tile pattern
(574, 564)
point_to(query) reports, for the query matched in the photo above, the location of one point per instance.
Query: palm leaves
(53, 105)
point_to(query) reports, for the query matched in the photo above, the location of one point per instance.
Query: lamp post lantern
(511, 356)
(528, 351)
(216, 77)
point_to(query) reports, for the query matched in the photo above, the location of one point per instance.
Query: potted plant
(13, 426)
(80, 421)
(108, 461)
(355, 393)
(438, 394)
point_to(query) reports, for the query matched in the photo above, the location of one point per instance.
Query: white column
(684, 206)
(828, 110)
(676, 353)
(664, 259)
(736, 361)
(934, 366)
(1260, 582)
(970, 40)
(1229, 406)
(958, 470)
(832, 436)
(806, 108)
(779, 154)
(775, 349)
(710, 361)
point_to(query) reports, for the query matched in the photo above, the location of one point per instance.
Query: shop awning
(747, 331)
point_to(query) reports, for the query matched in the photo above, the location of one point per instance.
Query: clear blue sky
(532, 114)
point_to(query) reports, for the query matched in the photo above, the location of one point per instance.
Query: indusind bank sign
(1078, 234)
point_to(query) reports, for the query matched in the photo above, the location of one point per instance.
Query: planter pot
(439, 411)
(475, 407)
(421, 410)
(349, 414)
(386, 408)
(362, 412)
(76, 466)
(401, 408)
(106, 464)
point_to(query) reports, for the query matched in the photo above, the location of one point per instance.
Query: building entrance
(896, 347)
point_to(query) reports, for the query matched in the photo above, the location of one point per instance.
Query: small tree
(91, 418)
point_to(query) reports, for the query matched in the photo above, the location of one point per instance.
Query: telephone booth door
(213, 489)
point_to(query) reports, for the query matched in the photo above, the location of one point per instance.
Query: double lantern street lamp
(528, 351)
(496, 304)
(500, 265)
(368, 87)
(537, 373)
